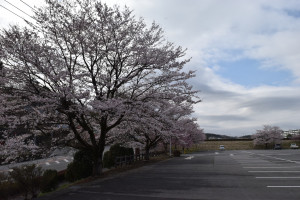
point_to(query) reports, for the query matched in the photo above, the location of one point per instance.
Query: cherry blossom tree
(187, 133)
(268, 135)
(147, 127)
(163, 122)
(18, 149)
(88, 68)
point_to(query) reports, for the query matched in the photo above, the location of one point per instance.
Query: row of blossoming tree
(89, 75)
(268, 135)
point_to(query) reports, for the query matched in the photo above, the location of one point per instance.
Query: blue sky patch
(249, 73)
(294, 13)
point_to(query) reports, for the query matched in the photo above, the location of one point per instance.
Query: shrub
(108, 160)
(115, 151)
(81, 167)
(7, 188)
(27, 177)
(49, 180)
(118, 150)
(176, 153)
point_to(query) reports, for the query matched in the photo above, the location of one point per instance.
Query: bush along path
(30, 181)
(27, 182)
(107, 173)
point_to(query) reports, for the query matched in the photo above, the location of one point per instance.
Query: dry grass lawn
(229, 145)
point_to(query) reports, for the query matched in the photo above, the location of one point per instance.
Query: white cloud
(242, 110)
(279, 50)
(215, 30)
(212, 30)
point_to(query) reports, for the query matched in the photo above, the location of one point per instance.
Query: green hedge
(8, 188)
(115, 151)
(176, 153)
(81, 167)
(49, 180)
(28, 179)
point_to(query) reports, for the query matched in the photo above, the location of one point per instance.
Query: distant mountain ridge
(213, 136)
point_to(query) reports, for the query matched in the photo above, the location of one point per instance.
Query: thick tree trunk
(97, 166)
(166, 147)
(98, 162)
(147, 153)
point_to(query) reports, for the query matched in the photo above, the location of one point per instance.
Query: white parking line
(273, 171)
(285, 186)
(66, 160)
(47, 163)
(255, 164)
(282, 159)
(278, 177)
(189, 158)
(57, 162)
(270, 167)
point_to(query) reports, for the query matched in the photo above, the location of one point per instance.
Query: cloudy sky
(246, 53)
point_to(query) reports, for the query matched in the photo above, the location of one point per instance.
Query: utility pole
(170, 146)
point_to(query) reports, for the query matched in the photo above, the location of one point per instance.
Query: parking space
(224, 175)
(275, 169)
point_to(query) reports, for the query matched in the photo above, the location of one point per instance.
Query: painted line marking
(270, 167)
(231, 154)
(278, 186)
(57, 162)
(255, 164)
(216, 153)
(282, 159)
(273, 171)
(66, 160)
(277, 177)
(265, 165)
(189, 158)
(47, 163)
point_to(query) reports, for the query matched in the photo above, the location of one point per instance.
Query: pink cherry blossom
(85, 71)
(268, 135)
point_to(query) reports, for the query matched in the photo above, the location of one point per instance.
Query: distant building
(291, 133)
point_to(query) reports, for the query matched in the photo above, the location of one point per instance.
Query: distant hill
(246, 137)
(212, 136)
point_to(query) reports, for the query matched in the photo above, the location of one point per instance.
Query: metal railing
(124, 160)
(128, 160)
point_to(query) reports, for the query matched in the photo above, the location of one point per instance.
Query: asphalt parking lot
(277, 170)
(206, 175)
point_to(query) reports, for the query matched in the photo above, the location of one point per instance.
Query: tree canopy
(90, 69)
(267, 135)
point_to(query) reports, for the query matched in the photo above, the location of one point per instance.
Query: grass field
(235, 145)
(229, 145)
